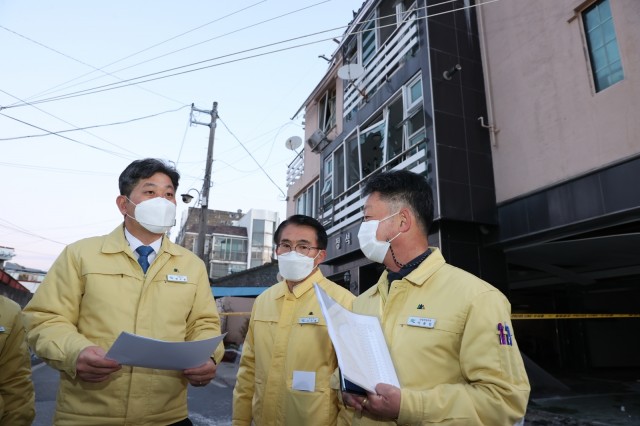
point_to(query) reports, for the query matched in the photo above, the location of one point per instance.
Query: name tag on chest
(177, 278)
(308, 320)
(421, 322)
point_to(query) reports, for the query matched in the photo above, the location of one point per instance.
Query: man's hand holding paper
(362, 352)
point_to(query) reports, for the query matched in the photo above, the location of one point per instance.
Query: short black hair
(144, 169)
(404, 187)
(302, 220)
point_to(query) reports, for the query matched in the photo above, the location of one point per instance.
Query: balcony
(345, 209)
(295, 169)
(388, 58)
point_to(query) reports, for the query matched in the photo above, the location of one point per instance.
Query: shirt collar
(134, 243)
(408, 268)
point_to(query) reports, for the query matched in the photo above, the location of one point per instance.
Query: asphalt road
(208, 406)
(594, 402)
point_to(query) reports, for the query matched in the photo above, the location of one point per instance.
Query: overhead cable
(64, 121)
(144, 79)
(95, 126)
(65, 137)
(202, 42)
(102, 69)
(252, 157)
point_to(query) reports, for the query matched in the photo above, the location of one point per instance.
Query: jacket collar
(116, 242)
(418, 276)
(300, 289)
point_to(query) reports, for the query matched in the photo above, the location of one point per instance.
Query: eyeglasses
(302, 249)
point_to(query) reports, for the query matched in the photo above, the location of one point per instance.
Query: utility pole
(204, 194)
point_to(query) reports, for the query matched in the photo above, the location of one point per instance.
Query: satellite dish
(293, 143)
(350, 71)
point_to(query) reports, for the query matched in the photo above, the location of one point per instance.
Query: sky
(88, 87)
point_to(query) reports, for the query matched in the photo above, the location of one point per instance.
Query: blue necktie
(143, 259)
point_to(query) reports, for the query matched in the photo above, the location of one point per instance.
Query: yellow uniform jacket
(95, 290)
(16, 387)
(446, 331)
(287, 341)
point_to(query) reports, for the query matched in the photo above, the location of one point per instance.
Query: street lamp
(202, 232)
(186, 198)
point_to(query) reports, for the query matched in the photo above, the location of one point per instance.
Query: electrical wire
(64, 121)
(14, 227)
(67, 138)
(252, 157)
(96, 125)
(132, 81)
(81, 62)
(206, 41)
(102, 69)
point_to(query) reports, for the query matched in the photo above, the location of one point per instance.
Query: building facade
(565, 90)
(409, 90)
(522, 117)
(261, 226)
(234, 241)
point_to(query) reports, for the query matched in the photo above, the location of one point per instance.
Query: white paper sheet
(362, 352)
(304, 381)
(139, 351)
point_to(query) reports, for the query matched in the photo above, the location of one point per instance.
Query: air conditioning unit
(316, 139)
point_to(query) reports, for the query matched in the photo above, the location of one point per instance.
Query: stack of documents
(362, 352)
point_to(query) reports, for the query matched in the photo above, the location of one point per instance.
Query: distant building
(261, 226)
(235, 241)
(12, 288)
(30, 278)
(6, 254)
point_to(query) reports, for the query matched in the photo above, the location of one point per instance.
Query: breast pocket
(173, 302)
(428, 348)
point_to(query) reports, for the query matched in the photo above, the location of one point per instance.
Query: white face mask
(156, 215)
(372, 248)
(294, 266)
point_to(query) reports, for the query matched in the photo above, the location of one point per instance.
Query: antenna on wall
(350, 73)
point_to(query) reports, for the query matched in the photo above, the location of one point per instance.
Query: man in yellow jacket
(449, 333)
(132, 280)
(287, 357)
(16, 387)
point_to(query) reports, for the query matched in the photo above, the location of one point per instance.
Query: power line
(64, 121)
(132, 81)
(205, 41)
(65, 137)
(79, 61)
(102, 69)
(15, 227)
(107, 87)
(95, 126)
(252, 157)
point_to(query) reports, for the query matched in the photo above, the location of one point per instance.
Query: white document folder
(362, 352)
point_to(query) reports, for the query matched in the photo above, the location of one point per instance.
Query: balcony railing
(345, 209)
(295, 169)
(385, 62)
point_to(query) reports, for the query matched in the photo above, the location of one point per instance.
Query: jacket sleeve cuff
(411, 407)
